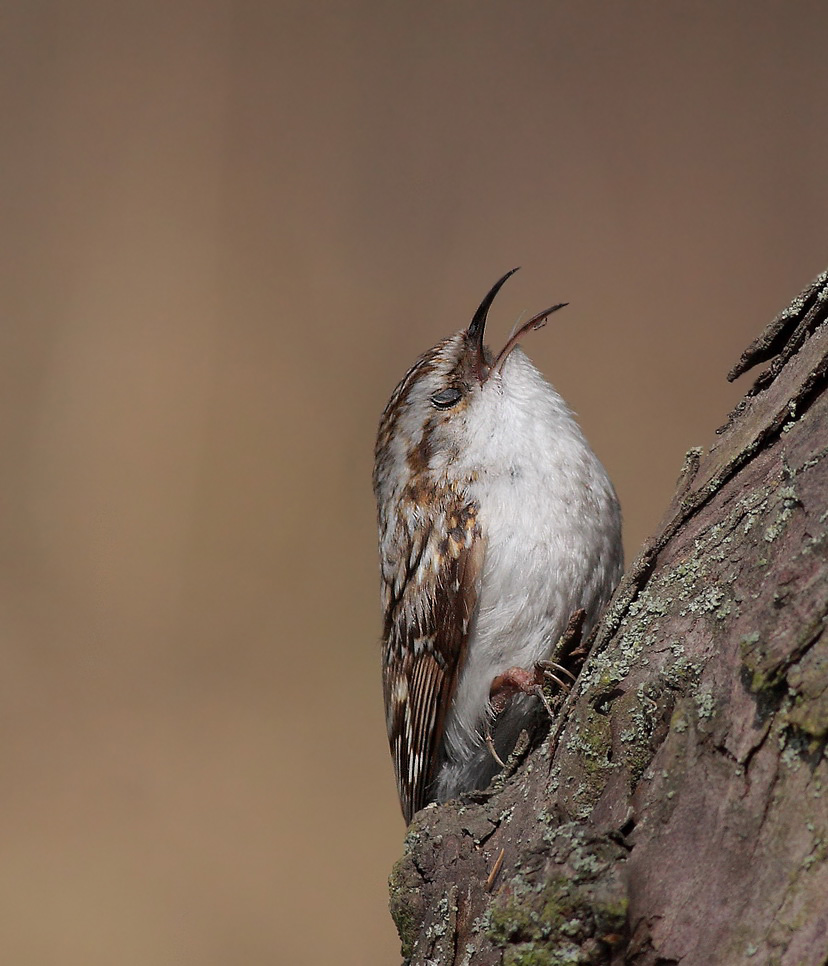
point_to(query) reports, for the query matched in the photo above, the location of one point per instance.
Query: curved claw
(551, 677)
(491, 746)
(539, 692)
(548, 666)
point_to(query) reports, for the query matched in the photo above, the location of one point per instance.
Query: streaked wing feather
(429, 608)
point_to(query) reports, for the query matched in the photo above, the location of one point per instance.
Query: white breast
(552, 525)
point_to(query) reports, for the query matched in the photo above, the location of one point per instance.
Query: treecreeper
(497, 524)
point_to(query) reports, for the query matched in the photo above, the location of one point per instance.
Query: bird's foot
(518, 680)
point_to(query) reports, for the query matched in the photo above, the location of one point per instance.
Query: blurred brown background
(228, 229)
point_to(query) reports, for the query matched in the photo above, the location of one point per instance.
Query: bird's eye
(446, 398)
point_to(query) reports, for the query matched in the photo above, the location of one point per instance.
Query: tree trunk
(677, 809)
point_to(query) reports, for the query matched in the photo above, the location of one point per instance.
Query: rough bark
(677, 809)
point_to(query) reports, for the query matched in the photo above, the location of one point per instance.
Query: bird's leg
(518, 680)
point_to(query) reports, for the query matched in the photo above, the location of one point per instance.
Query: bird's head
(427, 421)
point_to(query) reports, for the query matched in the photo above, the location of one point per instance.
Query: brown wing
(430, 599)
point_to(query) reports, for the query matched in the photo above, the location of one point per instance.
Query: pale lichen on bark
(677, 810)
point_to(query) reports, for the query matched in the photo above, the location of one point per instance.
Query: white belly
(553, 545)
(552, 526)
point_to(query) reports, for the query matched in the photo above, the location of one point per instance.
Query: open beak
(536, 322)
(476, 329)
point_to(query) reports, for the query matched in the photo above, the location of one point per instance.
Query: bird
(497, 523)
